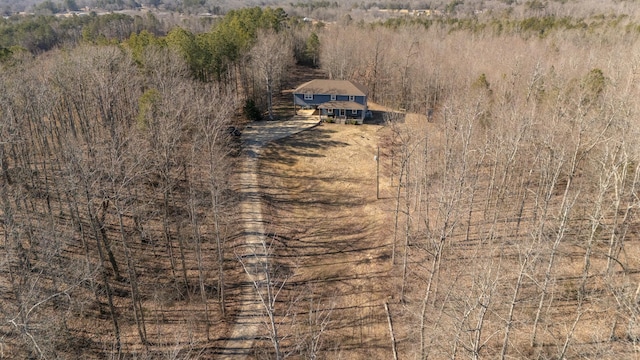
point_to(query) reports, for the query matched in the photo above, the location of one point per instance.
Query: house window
(308, 96)
(333, 97)
(330, 111)
(354, 112)
(352, 98)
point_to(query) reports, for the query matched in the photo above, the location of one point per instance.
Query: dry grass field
(330, 237)
(331, 240)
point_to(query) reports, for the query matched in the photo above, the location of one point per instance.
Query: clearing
(328, 238)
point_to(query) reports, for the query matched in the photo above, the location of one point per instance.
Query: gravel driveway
(249, 323)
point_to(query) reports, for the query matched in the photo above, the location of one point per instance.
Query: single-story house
(337, 99)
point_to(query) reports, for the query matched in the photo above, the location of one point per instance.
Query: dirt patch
(331, 235)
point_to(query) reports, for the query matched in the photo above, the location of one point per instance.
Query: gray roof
(347, 105)
(332, 87)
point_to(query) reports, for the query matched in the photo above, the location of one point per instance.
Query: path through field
(248, 323)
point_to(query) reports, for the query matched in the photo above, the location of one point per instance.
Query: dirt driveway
(260, 133)
(330, 240)
(248, 324)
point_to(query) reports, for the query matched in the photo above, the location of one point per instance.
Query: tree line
(220, 53)
(515, 194)
(114, 200)
(39, 33)
(117, 207)
(515, 187)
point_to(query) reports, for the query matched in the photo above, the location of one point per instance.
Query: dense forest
(515, 230)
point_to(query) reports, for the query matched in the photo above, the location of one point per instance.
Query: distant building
(334, 99)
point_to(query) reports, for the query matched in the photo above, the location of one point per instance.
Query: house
(337, 100)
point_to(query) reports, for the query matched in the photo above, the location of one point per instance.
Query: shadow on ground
(330, 250)
(305, 144)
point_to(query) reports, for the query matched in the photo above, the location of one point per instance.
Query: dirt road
(249, 323)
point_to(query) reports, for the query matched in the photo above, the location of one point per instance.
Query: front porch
(342, 112)
(341, 119)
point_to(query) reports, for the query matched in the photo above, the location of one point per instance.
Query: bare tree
(270, 57)
(213, 118)
(268, 284)
(337, 45)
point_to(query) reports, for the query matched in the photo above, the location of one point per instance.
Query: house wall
(348, 118)
(348, 113)
(321, 99)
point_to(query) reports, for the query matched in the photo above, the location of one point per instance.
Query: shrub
(251, 110)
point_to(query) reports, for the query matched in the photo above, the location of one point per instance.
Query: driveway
(259, 133)
(249, 323)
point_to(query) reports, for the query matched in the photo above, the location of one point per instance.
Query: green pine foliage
(312, 50)
(137, 43)
(5, 54)
(315, 4)
(146, 107)
(211, 54)
(534, 26)
(592, 86)
(39, 33)
(481, 82)
(251, 110)
(34, 33)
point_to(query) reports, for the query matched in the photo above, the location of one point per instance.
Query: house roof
(347, 105)
(332, 87)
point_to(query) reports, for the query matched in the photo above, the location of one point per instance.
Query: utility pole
(377, 159)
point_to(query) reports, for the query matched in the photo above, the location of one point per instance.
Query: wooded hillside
(512, 162)
(516, 233)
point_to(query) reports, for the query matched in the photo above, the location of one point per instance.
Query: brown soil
(331, 235)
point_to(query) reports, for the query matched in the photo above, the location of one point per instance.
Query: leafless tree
(270, 57)
(215, 143)
(268, 284)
